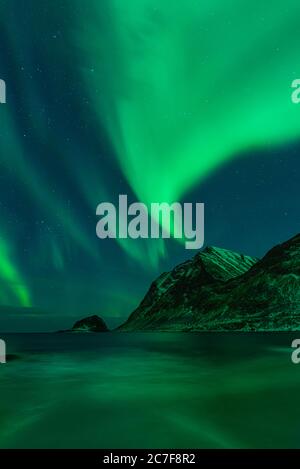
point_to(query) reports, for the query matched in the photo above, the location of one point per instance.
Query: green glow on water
(150, 391)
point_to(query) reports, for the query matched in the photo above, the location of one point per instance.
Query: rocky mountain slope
(89, 324)
(222, 290)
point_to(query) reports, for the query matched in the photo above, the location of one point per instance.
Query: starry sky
(165, 101)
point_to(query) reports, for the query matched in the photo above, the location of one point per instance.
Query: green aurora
(184, 87)
(150, 98)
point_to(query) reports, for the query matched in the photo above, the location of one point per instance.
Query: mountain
(222, 290)
(89, 324)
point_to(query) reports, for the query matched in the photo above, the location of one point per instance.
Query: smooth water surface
(150, 390)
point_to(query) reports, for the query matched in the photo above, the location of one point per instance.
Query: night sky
(164, 101)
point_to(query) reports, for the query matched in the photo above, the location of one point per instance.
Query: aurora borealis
(164, 101)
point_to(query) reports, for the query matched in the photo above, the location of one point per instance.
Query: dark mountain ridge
(221, 290)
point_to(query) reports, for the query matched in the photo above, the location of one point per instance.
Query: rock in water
(90, 324)
(222, 290)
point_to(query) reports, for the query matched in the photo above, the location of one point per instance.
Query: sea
(150, 390)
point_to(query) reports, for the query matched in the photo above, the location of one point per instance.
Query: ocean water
(150, 390)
